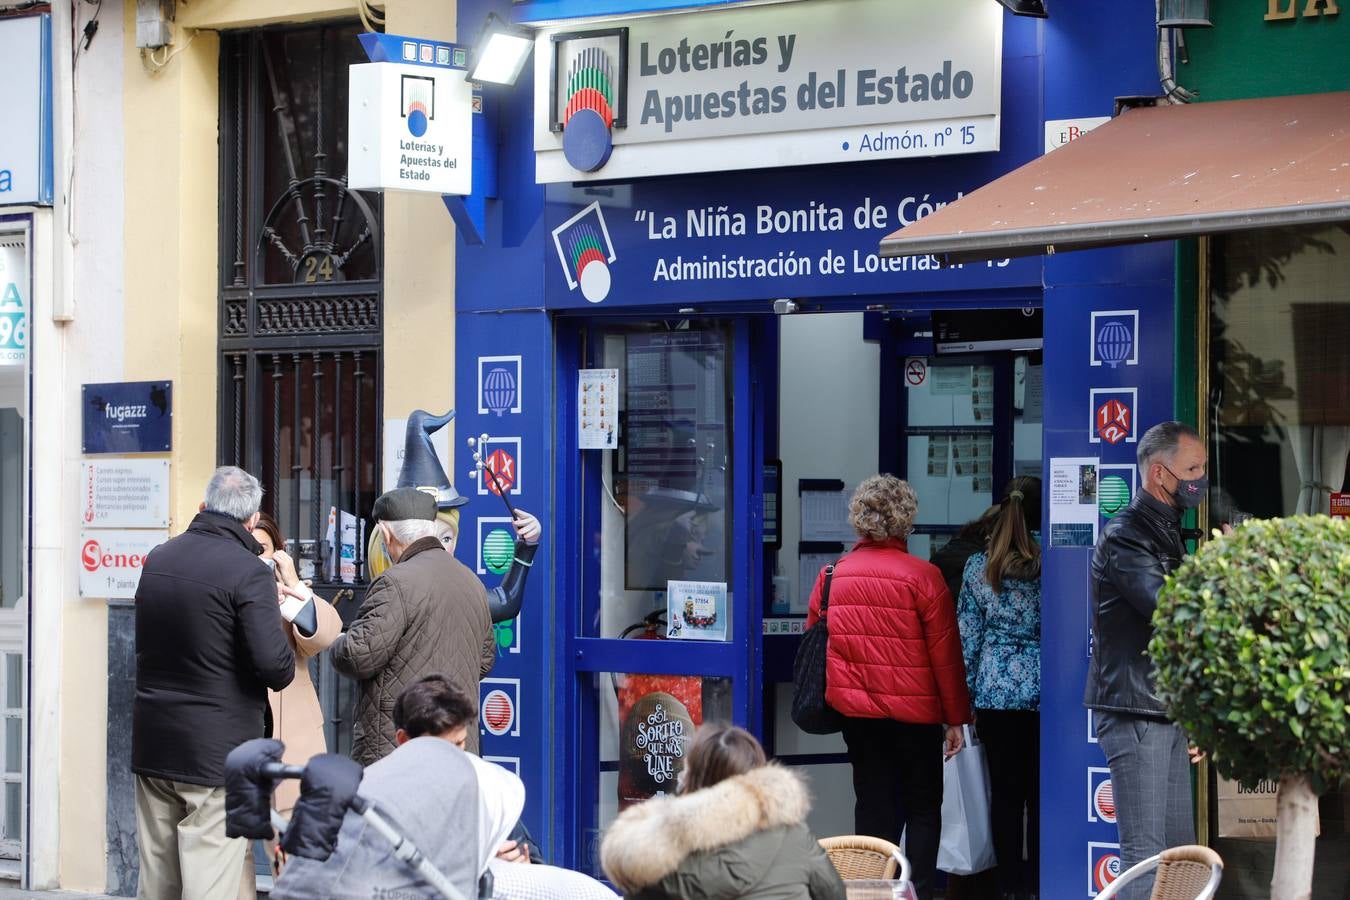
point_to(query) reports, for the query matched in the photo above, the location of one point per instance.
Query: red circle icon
(499, 712)
(90, 555)
(916, 372)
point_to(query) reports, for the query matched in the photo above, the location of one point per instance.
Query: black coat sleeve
(1136, 572)
(255, 601)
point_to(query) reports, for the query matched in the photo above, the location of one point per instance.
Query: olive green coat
(745, 837)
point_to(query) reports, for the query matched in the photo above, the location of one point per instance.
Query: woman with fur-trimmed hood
(736, 829)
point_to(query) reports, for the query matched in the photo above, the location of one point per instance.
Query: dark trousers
(1012, 744)
(897, 779)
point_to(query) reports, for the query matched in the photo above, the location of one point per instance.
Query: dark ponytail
(1012, 552)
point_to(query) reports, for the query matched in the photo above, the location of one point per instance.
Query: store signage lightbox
(25, 111)
(411, 122)
(765, 86)
(111, 561)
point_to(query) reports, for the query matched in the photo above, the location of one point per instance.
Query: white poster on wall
(124, 493)
(111, 561)
(1073, 501)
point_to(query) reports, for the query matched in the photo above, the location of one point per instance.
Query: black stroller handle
(278, 771)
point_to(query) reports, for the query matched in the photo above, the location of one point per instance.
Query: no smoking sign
(916, 371)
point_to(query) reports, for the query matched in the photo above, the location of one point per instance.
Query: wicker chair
(857, 856)
(1184, 873)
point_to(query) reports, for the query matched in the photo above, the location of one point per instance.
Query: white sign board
(1059, 132)
(763, 86)
(410, 128)
(598, 409)
(124, 493)
(1073, 501)
(14, 281)
(111, 561)
(25, 110)
(395, 440)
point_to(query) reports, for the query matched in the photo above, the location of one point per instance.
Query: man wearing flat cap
(426, 613)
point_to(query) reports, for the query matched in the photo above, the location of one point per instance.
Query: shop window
(661, 502)
(1279, 439)
(645, 725)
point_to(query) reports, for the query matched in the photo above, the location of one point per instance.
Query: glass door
(663, 610)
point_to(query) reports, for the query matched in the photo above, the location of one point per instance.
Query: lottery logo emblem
(501, 457)
(419, 103)
(498, 385)
(588, 119)
(1115, 338)
(586, 253)
(1103, 866)
(1102, 800)
(499, 706)
(1113, 495)
(498, 548)
(1114, 415)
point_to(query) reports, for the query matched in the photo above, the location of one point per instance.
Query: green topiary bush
(1252, 653)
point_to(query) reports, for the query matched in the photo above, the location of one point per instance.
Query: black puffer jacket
(209, 643)
(1134, 555)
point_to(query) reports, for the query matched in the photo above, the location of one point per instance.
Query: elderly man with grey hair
(209, 643)
(426, 613)
(1136, 551)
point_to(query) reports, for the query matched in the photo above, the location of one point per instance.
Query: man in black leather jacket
(1148, 755)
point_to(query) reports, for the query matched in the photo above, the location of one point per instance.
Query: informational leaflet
(825, 516)
(950, 380)
(598, 409)
(1073, 501)
(124, 493)
(1033, 410)
(696, 610)
(342, 564)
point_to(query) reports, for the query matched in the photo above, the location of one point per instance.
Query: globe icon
(1114, 343)
(1113, 494)
(498, 549)
(499, 390)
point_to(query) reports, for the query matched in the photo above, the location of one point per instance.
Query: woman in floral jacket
(999, 612)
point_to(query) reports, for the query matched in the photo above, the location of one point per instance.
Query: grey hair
(233, 492)
(406, 531)
(1162, 439)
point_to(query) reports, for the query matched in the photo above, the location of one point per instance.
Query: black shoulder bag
(809, 709)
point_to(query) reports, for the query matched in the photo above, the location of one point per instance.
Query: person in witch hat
(425, 611)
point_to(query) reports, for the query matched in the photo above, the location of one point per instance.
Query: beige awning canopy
(1156, 174)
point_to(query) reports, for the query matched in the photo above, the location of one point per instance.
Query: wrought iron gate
(300, 309)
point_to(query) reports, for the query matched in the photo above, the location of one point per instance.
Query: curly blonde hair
(883, 507)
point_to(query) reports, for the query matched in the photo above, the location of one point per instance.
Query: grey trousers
(1151, 782)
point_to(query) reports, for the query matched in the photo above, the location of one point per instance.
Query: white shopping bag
(967, 844)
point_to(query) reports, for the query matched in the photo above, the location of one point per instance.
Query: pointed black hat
(421, 468)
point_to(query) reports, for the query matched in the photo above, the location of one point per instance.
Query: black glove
(326, 792)
(248, 793)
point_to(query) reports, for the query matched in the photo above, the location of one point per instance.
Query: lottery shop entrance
(719, 456)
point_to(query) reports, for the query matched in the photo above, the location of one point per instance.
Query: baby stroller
(329, 791)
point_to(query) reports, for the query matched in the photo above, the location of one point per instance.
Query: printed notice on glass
(696, 610)
(1073, 501)
(950, 381)
(597, 409)
(825, 516)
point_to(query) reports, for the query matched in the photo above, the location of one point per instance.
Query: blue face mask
(1189, 494)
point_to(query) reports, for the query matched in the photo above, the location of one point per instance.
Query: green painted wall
(1245, 56)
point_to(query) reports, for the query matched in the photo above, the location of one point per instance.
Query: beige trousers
(184, 852)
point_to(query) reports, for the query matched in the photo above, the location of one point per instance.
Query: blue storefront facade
(693, 266)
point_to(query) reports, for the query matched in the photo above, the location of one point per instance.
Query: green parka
(745, 837)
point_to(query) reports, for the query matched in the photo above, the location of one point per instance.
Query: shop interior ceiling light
(500, 52)
(1034, 8)
(1184, 14)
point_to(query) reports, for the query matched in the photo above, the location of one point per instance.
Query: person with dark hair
(951, 557)
(893, 670)
(737, 828)
(1135, 553)
(999, 611)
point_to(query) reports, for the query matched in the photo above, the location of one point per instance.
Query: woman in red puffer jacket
(894, 670)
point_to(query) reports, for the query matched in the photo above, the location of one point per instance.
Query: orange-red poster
(658, 715)
(1340, 505)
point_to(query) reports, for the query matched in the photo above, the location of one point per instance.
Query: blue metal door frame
(576, 714)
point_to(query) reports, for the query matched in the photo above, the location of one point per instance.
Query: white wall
(829, 400)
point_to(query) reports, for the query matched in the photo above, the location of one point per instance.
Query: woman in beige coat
(297, 718)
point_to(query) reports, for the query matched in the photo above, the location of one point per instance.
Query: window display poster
(696, 610)
(1073, 501)
(597, 409)
(950, 381)
(825, 515)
